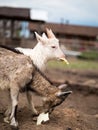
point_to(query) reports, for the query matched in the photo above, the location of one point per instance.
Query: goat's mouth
(65, 60)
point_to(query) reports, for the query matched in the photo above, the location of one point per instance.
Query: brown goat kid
(17, 73)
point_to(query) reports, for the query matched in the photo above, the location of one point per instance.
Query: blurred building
(14, 24)
(73, 36)
(14, 20)
(19, 23)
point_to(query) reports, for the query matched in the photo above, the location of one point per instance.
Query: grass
(75, 64)
(89, 55)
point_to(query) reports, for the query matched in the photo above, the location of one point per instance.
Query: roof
(74, 29)
(68, 29)
(16, 13)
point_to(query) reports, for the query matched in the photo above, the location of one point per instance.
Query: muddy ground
(78, 112)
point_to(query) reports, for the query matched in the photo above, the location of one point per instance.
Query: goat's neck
(38, 56)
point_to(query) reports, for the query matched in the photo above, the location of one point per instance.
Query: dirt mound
(60, 119)
(78, 112)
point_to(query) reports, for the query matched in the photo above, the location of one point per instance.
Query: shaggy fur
(17, 72)
(14, 68)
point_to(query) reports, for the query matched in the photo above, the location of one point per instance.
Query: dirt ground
(78, 112)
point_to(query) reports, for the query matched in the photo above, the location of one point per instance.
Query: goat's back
(16, 68)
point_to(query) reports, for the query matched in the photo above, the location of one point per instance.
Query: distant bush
(89, 55)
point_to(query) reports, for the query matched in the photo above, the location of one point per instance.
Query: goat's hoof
(14, 124)
(35, 114)
(14, 127)
(6, 120)
(34, 118)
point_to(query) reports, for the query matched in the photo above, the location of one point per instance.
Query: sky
(79, 12)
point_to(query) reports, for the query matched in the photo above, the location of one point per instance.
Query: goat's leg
(30, 101)
(14, 98)
(8, 111)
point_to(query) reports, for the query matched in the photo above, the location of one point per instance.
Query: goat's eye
(53, 46)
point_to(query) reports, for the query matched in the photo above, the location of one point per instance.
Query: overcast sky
(82, 12)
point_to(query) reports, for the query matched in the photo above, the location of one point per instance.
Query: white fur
(45, 50)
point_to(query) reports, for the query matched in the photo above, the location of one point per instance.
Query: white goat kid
(46, 49)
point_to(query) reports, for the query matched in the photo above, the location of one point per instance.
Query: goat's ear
(62, 86)
(39, 38)
(60, 94)
(44, 36)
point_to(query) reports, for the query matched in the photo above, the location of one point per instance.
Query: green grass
(89, 55)
(74, 64)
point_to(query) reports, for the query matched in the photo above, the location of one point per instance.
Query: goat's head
(55, 99)
(49, 46)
